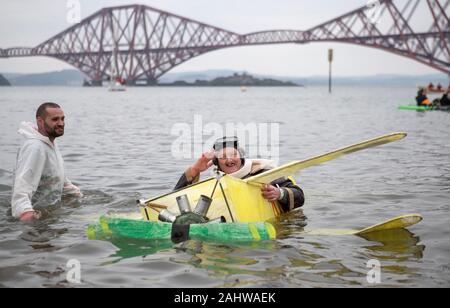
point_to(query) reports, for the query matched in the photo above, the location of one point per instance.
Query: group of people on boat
(423, 100)
(438, 88)
(40, 180)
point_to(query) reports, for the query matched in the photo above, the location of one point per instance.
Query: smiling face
(229, 160)
(52, 125)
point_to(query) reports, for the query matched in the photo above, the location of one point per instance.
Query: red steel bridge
(144, 43)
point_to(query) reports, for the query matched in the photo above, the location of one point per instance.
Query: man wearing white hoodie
(39, 179)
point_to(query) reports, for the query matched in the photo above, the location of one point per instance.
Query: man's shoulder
(34, 145)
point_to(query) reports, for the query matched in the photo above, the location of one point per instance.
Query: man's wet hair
(42, 110)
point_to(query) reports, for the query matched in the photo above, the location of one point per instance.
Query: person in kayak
(445, 100)
(422, 99)
(230, 159)
(39, 178)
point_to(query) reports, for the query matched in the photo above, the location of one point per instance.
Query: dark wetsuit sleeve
(293, 194)
(186, 180)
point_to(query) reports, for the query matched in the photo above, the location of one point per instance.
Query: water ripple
(117, 148)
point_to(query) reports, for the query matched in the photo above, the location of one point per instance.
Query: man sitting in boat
(445, 100)
(422, 99)
(230, 159)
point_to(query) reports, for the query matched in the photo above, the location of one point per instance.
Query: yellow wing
(396, 223)
(293, 167)
(400, 222)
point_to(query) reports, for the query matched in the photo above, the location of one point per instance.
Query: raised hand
(203, 163)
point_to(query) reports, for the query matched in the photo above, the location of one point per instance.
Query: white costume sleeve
(29, 168)
(70, 189)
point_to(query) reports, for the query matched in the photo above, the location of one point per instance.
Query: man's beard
(52, 133)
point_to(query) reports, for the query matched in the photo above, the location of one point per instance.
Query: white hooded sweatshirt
(39, 178)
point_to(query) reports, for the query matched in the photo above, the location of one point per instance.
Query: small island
(4, 82)
(236, 80)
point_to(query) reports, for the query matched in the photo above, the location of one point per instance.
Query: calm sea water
(117, 148)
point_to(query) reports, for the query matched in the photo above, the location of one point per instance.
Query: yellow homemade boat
(241, 200)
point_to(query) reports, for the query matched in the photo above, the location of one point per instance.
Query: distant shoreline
(236, 80)
(73, 78)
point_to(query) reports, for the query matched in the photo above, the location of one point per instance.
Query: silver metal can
(167, 216)
(203, 205)
(183, 204)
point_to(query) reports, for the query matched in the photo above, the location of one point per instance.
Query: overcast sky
(30, 22)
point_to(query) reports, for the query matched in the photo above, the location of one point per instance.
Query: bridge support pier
(142, 82)
(96, 83)
(152, 81)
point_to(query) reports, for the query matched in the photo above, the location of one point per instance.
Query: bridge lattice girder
(144, 43)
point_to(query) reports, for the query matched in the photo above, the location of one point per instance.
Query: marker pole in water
(330, 60)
